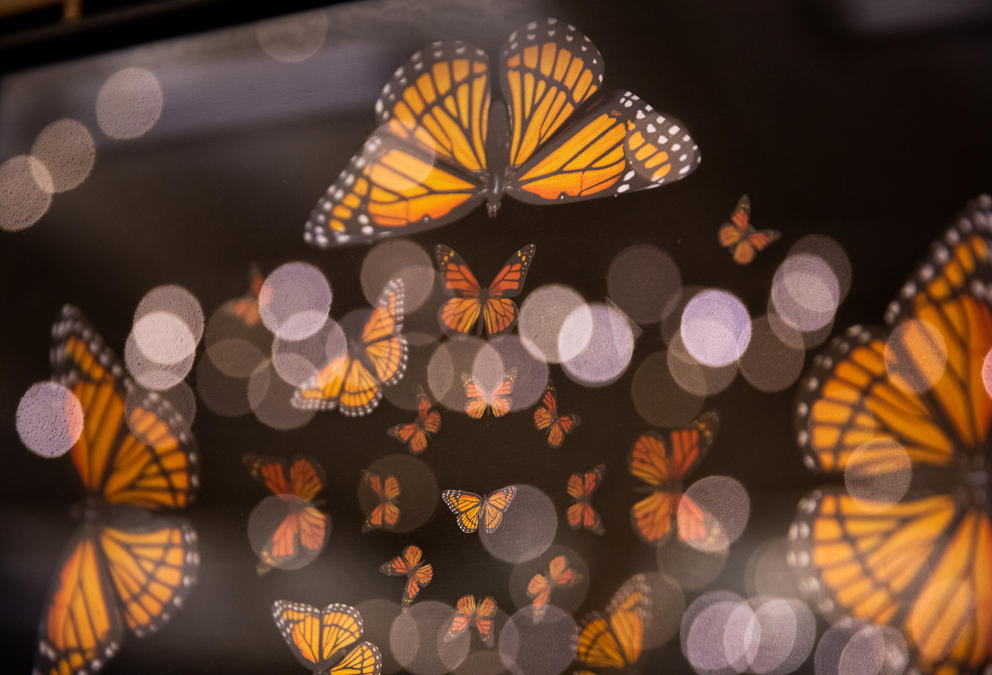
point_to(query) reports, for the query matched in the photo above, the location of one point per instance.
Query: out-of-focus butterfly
(918, 561)
(416, 433)
(478, 400)
(469, 612)
(559, 574)
(547, 419)
(303, 531)
(124, 569)
(663, 461)
(580, 487)
(741, 237)
(443, 145)
(409, 564)
(615, 640)
(468, 507)
(327, 640)
(246, 308)
(470, 302)
(353, 382)
(386, 513)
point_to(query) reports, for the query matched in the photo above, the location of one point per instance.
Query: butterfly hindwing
(409, 564)
(470, 612)
(548, 420)
(615, 640)
(326, 639)
(469, 508)
(385, 514)
(416, 434)
(580, 487)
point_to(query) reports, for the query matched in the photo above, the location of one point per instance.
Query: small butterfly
(468, 506)
(616, 639)
(327, 640)
(416, 433)
(386, 513)
(581, 485)
(468, 612)
(740, 235)
(304, 530)
(352, 382)
(462, 311)
(247, 307)
(497, 401)
(409, 564)
(547, 419)
(539, 588)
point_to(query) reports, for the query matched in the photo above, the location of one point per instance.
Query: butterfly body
(445, 144)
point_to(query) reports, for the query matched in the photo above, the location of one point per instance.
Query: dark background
(876, 139)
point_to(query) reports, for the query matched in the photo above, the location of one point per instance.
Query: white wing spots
(569, 38)
(674, 129)
(630, 174)
(662, 139)
(531, 37)
(676, 147)
(532, 25)
(552, 21)
(584, 48)
(363, 219)
(650, 127)
(460, 49)
(623, 188)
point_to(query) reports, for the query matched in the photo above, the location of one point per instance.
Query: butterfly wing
(476, 401)
(317, 637)
(547, 410)
(421, 576)
(737, 227)
(364, 659)
(461, 312)
(538, 590)
(496, 504)
(500, 400)
(270, 472)
(386, 513)
(484, 620)
(428, 417)
(306, 477)
(127, 454)
(303, 531)
(467, 506)
(499, 313)
(597, 645)
(385, 346)
(465, 610)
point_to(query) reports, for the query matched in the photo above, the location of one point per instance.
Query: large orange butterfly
(911, 397)
(478, 400)
(327, 640)
(468, 507)
(443, 145)
(547, 419)
(386, 513)
(353, 382)
(616, 639)
(581, 485)
(461, 313)
(663, 461)
(416, 433)
(410, 564)
(539, 588)
(469, 612)
(124, 568)
(303, 531)
(740, 235)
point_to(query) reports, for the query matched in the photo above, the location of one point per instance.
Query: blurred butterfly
(124, 569)
(246, 308)
(327, 640)
(416, 433)
(479, 400)
(581, 485)
(663, 461)
(919, 560)
(539, 588)
(461, 313)
(468, 507)
(303, 531)
(409, 564)
(547, 419)
(353, 382)
(615, 640)
(386, 513)
(468, 612)
(741, 237)
(443, 146)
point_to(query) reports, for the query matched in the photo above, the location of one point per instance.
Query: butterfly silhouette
(580, 487)
(547, 419)
(444, 146)
(468, 507)
(416, 433)
(469, 612)
(386, 513)
(559, 574)
(410, 564)
(741, 237)
(478, 400)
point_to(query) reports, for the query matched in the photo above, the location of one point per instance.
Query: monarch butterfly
(124, 568)
(327, 640)
(663, 461)
(539, 588)
(409, 564)
(920, 563)
(461, 313)
(247, 307)
(580, 487)
(547, 419)
(386, 513)
(497, 401)
(468, 506)
(443, 146)
(353, 381)
(740, 235)
(303, 531)
(416, 433)
(468, 612)
(616, 639)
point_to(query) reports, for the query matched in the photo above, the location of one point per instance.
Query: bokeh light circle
(419, 495)
(987, 373)
(878, 471)
(530, 373)
(690, 567)
(695, 378)
(294, 301)
(568, 597)
(915, 356)
(715, 328)
(177, 301)
(643, 280)
(26, 188)
(451, 361)
(658, 398)
(49, 419)
(774, 358)
(805, 292)
(608, 348)
(294, 38)
(704, 626)
(268, 515)
(297, 361)
(224, 395)
(768, 571)
(379, 615)
(129, 103)
(542, 320)
(713, 513)
(270, 396)
(67, 150)
(528, 528)
(546, 647)
(163, 338)
(179, 398)
(403, 394)
(151, 374)
(398, 258)
(667, 607)
(851, 647)
(416, 639)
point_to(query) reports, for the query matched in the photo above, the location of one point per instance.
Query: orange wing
(386, 513)
(306, 476)
(478, 401)
(580, 487)
(547, 419)
(409, 564)
(416, 433)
